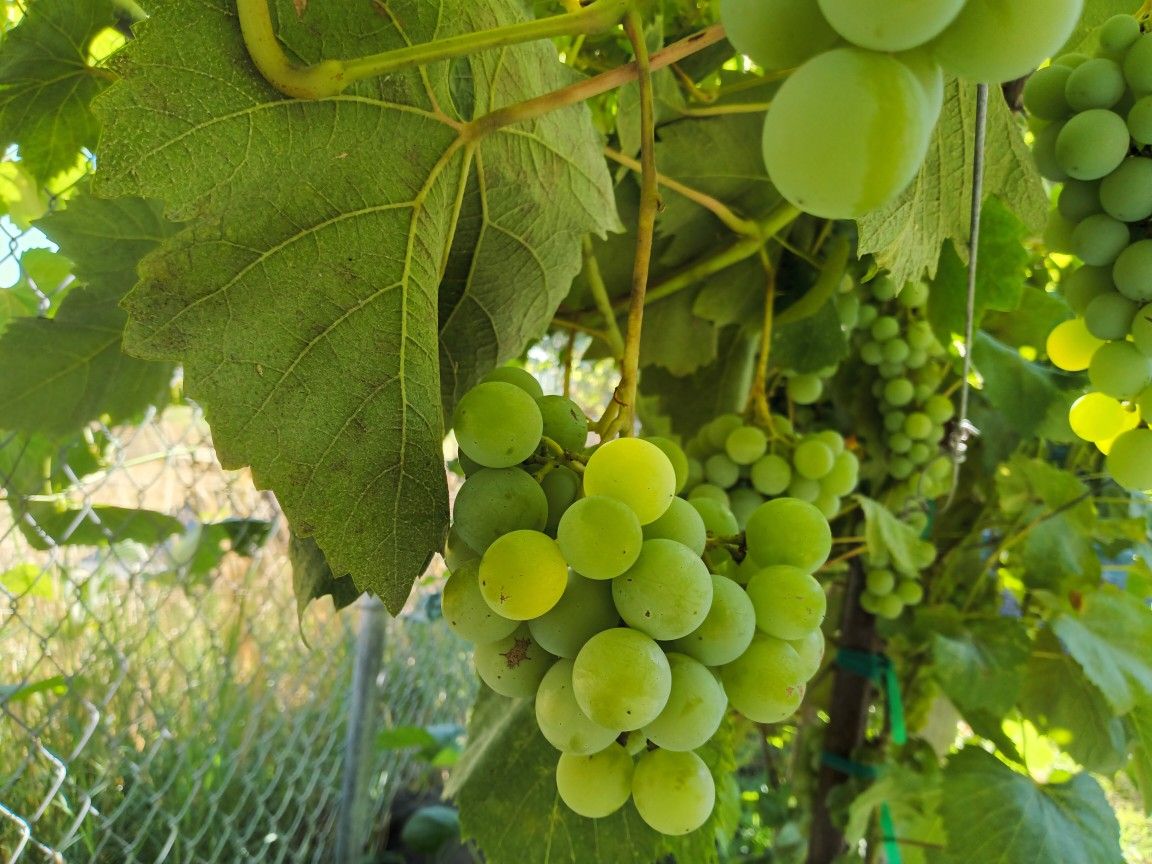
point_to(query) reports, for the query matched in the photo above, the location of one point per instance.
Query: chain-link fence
(158, 699)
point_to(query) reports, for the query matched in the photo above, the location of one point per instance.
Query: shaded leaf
(979, 663)
(304, 299)
(45, 527)
(46, 84)
(1023, 391)
(312, 578)
(886, 535)
(995, 816)
(907, 235)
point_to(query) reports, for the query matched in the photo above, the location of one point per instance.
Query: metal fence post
(355, 818)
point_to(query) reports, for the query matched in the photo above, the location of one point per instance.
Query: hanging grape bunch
(1093, 122)
(850, 126)
(579, 576)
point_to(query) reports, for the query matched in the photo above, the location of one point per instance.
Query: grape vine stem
(626, 391)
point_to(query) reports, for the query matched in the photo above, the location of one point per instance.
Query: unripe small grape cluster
(889, 588)
(894, 338)
(1093, 133)
(738, 465)
(593, 598)
(851, 124)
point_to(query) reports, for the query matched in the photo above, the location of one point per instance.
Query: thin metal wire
(964, 429)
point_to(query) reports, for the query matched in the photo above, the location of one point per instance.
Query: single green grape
(777, 34)
(564, 422)
(465, 610)
(621, 679)
(584, 609)
(560, 719)
(600, 537)
(635, 472)
(676, 457)
(1130, 460)
(513, 666)
(595, 785)
(696, 706)
(810, 647)
(666, 594)
(497, 424)
(726, 630)
(681, 522)
(523, 574)
(787, 600)
(766, 682)
(788, 531)
(493, 502)
(673, 792)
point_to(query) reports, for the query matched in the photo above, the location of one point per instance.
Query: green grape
(1099, 417)
(1126, 193)
(495, 501)
(1092, 144)
(719, 520)
(885, 328)
(742, 503)
(848, 308)
(1080, 199)
(709, 492)
(674, 793)
(813, 458)
(992, 41)
(895, 351)
(771, 474)
(803, 489)
(804, 389)
(889, 606)
(521, 378)
(721, 471)
(1120, 370)
(1070, 346)
(871, 353)
(939, 408)
(513, 666)
(889, 25)
(1132, 271)
(1110, 316)
(726, 630)
(880, 581)
(1138, 65)
(695, 472)
(1050, 168)
(561, 486)
(919, 453)
(869, 602)
(1118, 33)
(1142, 330)
(914, 295)
(600, 537)
(883, 288)
(675, 455)
(1099, 239)
(1085, 283)
(636, 742)
(696, 706)
(633, 471)
(560, 719)
(681, 522)
(811, 651)
(788, 531)
(1144, 403)
(457, 552)
(777, 34)
(666, 593)
(719, 428)
(898, 442)
(1130, 460)
(746, 444)
(894, 420)
(497, 424)
(1140, 121)
(846, 132)
(1044, 93)
(1071, 59)
(918, 425)
(584, 609)
(1096, 83)
(920, 335)
(465, 610)
(910, 592)
(564, 422)
(899, 392)
(787, 600)
(468, 466)
(596, 785)
(901, 467)
(832, 438)
(843, 477)
(621, 679)
(523, 574)
(766, 682)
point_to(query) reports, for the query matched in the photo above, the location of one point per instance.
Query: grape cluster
(734, 466)
(890, 588)
(594, 599)
(895, 340)
(849, 128)
(1093, 121)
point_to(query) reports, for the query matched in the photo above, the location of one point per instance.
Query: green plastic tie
(878, 668)
(888, 835)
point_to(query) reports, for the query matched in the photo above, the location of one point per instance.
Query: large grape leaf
(505, 784)
(978, 663)
(69, 369)
(995, 816)
(906, 236)
(303, 298)
(46, 83)
(1109, 636)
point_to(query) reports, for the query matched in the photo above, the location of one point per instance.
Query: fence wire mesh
(158, 700)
